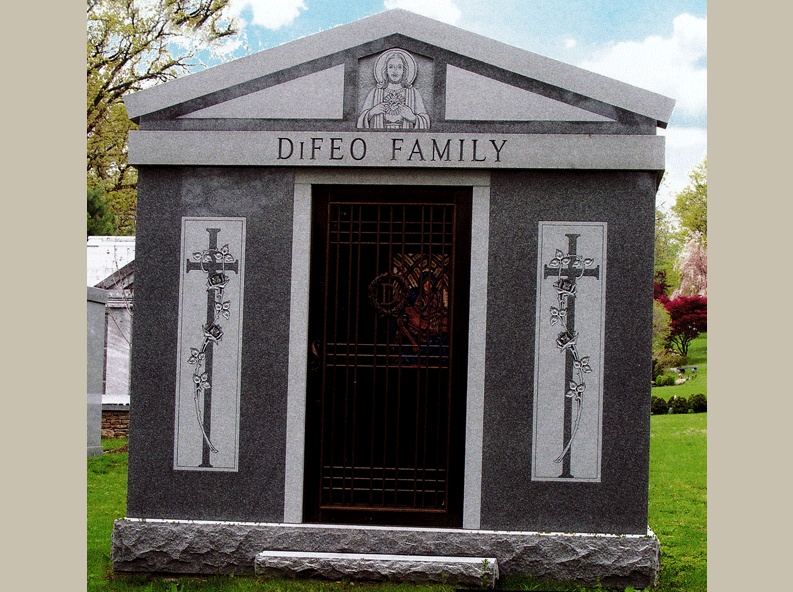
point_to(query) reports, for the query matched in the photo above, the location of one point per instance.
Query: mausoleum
(393, 296)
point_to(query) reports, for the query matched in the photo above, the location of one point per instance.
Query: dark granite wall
(256, 491)
(510, 500)
(519, 200)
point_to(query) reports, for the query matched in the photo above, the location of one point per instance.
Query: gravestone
(97, 300)
(393, 296)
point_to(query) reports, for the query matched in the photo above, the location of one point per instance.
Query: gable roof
(121, 279)
(400, 22)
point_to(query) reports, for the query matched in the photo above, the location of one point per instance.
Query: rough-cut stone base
(231, 547)
(469, 571)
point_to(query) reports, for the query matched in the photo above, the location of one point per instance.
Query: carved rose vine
(567, 339)
(213, 332)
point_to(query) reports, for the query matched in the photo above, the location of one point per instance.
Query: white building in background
(111, 267)
(108, 254)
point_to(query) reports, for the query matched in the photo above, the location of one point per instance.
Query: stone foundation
(232, 547)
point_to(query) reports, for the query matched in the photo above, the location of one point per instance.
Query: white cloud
(570, 43)
(668, 66)
(442, 10)
(231, 45)
(270, 14)
(685, 148)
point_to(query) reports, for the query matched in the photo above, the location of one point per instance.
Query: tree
(689, 316)
(662, 326)
(660, 290)
(132, 44)
(667, 246)
(692, 266)
(100, 220)
(691, 204)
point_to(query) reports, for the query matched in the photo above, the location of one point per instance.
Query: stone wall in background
(115, 424)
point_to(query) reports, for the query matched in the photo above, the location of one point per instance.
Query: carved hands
(393, 113)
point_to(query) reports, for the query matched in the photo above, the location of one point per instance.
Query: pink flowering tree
(692, 265)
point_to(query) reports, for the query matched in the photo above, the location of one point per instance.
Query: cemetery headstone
(97, 299)
(393, 296)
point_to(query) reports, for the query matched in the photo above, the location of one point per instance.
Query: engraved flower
(565, 286)
(217, 281)
(225, 255)
(558, 315)
(582, 365)
(223, 309)
(576, 390)
(196, 356)
(202, 381)
(213, 332)
(566, 340)
(558, 259)
(581, 262)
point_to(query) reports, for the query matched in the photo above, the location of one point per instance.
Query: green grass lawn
(107, 501)
(678, 498)
(697, 356)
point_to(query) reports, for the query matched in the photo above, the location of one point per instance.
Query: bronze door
(388, 337)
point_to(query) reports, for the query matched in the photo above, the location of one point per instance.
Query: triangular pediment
(453, 80)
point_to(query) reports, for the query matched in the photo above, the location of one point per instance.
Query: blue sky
(660, 46)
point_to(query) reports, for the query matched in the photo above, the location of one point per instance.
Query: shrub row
(697, 404)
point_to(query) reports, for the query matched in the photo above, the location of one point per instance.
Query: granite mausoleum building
(393, 295)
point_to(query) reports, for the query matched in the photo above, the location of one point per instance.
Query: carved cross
(571, 273)
(214, 268)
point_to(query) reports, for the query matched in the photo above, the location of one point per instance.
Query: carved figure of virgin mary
(393, 103)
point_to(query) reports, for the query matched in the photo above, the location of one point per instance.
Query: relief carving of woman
(394, 103)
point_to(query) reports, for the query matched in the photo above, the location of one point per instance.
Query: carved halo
(383, 60)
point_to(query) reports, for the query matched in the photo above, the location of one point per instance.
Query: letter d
(281, 155)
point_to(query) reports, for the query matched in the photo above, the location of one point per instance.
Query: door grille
(381, 380)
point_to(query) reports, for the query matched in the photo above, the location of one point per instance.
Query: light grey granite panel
(471, 96)
(298, 356)
(211, 289)
(295, 99)
(397, 149)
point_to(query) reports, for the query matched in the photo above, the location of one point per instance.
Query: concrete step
(361, 566)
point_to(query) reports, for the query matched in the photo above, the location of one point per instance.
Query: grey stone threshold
(469, 571)
(232, 547)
